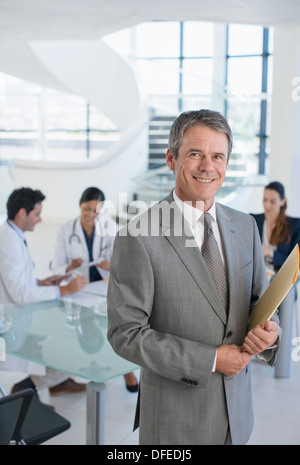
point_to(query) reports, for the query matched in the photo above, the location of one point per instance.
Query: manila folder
(276, 291)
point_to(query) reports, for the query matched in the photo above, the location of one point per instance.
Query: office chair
(24, 420)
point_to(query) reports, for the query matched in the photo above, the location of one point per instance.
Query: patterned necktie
(211, 254)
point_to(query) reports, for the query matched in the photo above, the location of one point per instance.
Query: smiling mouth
(203, 180)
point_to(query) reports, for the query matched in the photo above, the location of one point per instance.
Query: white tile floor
(276, 401)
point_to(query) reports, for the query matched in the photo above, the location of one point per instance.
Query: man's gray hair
(188, 119)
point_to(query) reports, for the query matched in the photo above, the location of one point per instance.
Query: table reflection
(65, 336)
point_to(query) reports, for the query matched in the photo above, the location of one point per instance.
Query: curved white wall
(64, 184)
(285, 137)
(95, 72)
(17, 59)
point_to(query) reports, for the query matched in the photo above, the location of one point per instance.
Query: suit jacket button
(229, 334)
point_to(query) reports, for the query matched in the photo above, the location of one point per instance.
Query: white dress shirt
(195, 219)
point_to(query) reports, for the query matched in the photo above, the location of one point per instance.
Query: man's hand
(231, 359)
(54, 280)
(73, 286)
(260, 339)
(105, 264)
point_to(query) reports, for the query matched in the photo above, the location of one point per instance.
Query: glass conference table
(68, 336)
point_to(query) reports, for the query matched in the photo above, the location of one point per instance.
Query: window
(198, 40)
(158, 39)
(192, 65)
(42, 124)
(248, 86)
(19, 118)
(176, 69)
(182, 65)
(245, 40)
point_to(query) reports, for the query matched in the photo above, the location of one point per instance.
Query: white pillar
(219, 69)
(285, 123)
(42, 129)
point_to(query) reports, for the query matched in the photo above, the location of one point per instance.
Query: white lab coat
(71, 244)
(18, 286)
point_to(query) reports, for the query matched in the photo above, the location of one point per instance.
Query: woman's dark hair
(278, 187)
(92, 193)
(281, 232)
(23, 198)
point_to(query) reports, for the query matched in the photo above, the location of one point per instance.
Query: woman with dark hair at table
(279, 235)
(89, 238)
(279, 232)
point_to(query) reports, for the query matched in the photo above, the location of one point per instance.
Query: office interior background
(88, 91)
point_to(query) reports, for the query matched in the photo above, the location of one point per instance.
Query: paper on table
(77, 271)
(83, 267)
(90, 296)
(97, 288)
(276, 291)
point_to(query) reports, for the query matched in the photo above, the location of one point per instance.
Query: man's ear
(21, 213)
(170, 160)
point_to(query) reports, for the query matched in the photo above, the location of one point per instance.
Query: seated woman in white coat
(88, 238)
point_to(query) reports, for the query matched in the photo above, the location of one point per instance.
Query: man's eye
(219, 157)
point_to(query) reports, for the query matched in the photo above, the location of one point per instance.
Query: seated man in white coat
(19, 286)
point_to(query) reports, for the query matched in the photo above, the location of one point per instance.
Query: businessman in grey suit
(166, 311)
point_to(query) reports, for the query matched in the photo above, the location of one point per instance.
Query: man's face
(201, 165)
(29, 221)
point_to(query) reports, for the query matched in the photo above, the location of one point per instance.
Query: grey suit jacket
(165, 315)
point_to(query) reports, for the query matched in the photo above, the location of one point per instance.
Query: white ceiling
(90, 19)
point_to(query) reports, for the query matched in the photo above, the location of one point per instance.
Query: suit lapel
(176, 231)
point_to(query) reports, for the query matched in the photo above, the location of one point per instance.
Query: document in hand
(276, 291)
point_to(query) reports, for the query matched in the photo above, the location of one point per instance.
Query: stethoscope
(78, 240)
